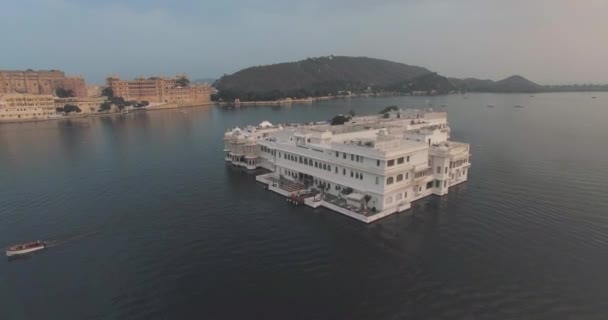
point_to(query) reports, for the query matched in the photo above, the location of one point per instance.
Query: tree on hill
(64, 93)
(107, 92)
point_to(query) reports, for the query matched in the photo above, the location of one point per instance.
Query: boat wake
(67, 239)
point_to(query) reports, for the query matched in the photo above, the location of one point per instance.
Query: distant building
(160, 90)
(93, 91)
(15, 106)
(40, 82)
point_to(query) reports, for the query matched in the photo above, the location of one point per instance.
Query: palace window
(399, 177)
(390, 163)
(390, 180)
(400, 160)
(408, 158)
(378, 163)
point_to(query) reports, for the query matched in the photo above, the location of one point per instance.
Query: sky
(546, 41)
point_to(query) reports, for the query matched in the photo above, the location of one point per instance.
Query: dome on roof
(237, 129)
(240, 139)
(250, 140)
(265, 124)
(228, 134)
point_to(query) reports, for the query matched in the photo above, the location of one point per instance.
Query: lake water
(148, 222)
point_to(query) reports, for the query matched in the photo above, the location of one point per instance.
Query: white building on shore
(367, 168)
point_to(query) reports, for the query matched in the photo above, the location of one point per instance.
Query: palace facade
(43, 82)
(160, 90)
(367, 168)
(15, 106)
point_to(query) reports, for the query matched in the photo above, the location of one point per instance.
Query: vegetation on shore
(69, 108)
(119, 102)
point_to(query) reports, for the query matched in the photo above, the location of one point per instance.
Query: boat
(518, 106)
(490, 106)
(24, 248)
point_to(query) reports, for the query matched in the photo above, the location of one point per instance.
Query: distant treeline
(577, 88)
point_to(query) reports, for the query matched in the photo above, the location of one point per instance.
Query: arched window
(389, 180)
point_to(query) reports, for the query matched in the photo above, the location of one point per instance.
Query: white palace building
(366, 168)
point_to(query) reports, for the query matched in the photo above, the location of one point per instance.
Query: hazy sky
(547, 41)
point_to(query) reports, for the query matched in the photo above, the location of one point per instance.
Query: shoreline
(103, 114)
(375, 95)
(307, 101)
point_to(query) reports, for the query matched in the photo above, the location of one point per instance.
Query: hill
(516, 84)
(327, 75)
(513, 84)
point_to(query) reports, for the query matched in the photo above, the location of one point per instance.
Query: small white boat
(24, 248)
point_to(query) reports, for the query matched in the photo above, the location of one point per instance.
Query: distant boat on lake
(490, 106)
(518, 106)
(24, 248)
